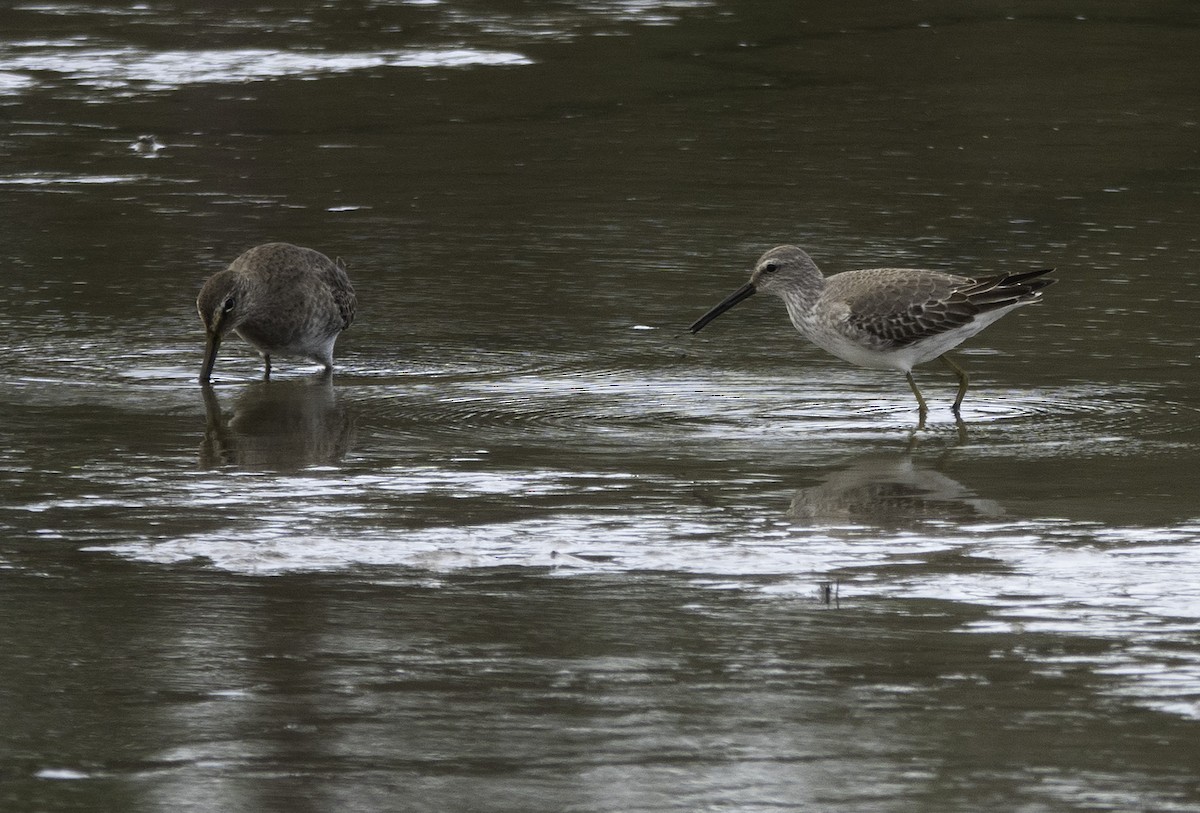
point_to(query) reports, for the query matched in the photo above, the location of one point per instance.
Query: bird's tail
(1003, 290)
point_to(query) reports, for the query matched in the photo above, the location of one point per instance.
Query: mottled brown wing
(898, 306)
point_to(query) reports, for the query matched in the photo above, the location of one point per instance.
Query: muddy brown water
(534, 547)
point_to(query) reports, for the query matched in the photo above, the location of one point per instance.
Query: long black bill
(745, 292)
(210, 356)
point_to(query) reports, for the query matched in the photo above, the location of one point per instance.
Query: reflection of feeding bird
(885, 318)
(886, 491)
(283, 299)
(277, 425)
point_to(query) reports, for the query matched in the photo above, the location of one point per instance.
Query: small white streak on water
(61, 774)
(13, 82)
(48, 179)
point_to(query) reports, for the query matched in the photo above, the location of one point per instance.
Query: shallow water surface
(534, 546)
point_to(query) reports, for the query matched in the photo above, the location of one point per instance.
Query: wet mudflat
(534, 547)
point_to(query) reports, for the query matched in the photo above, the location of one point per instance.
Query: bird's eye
(228, 306)
(770, 268)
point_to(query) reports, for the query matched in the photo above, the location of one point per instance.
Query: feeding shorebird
(284, 300)
(885, 318)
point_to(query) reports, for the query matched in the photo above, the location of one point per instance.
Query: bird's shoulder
(298, 274)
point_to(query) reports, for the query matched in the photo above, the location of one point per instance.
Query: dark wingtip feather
(1022, 277)
(1003, 290)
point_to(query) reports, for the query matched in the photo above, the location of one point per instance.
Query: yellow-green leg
(963, 381)
(921, 405)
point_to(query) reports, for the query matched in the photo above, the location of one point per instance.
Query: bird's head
(781, 271)
(220, 305)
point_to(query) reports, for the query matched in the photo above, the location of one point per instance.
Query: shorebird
(886, 318)
(283, 299)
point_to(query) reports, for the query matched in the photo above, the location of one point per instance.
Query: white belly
(832, 339)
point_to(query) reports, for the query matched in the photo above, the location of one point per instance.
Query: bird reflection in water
(888, 491)
(277, 425)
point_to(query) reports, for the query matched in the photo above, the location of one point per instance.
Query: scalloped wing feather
(899, 307)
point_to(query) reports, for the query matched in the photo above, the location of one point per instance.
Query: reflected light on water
(126, 70)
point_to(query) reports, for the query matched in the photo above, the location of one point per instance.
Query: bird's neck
(800, 303)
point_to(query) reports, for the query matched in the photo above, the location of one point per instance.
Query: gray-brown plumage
(885, 318)
(284, 300)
